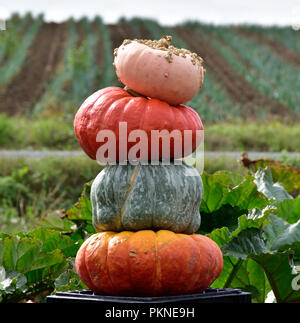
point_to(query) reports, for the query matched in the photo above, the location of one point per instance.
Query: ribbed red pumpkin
(106, 108)
(148, 263)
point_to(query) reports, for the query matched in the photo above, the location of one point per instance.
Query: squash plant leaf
(223, 188)
(272, 248)
(226, 198)
(289, 210)
(238, 273)
(37, 256)
(265, 185)
(56, 222)
(287, 175)
(69, 279)
(82, 210)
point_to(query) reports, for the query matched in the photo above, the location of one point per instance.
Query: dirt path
(43, 57)
(37, 154)
(236, 86)
(279, 49)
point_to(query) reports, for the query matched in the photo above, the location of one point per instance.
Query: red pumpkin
(106, 108)
(148, 263)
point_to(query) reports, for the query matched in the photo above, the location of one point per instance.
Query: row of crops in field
(260, 77)
(257, 64)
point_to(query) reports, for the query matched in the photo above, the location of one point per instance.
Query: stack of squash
(146, 214)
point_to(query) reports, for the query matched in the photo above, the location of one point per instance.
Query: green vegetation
(84, 68)
(17, 56)
(108, 74)
(271, 137)
(251, 212)
(246, 216)
(56, 133)
(83, 71)
(285, 35)
(52, 96)
(264, 70)
(31, 189)
(9, 41)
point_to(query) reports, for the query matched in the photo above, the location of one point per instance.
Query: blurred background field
(250, 100)
(48, 69)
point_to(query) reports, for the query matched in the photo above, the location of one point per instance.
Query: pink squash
(156, 69)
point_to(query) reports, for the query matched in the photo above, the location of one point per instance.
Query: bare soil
(119, 32)
(44, 55)
(145, 33)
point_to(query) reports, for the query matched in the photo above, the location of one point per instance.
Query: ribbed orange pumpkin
(106, 108)
(148, 263)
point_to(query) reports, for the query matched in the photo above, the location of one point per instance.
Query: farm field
(249, 77)
(252, 78)
(250, 102)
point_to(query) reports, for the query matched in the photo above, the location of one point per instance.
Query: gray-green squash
(132, 198)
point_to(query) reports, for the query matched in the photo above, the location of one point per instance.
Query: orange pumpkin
(148, 263)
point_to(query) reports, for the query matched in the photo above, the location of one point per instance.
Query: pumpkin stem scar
(127, 193)
(133, 93)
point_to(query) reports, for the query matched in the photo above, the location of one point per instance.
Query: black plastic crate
(210, 295)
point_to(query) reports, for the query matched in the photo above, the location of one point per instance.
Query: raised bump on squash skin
(164, 44)
(132, 253)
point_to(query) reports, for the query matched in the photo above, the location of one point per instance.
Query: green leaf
(48, 259)
(271, 248)
(247, 242)
(237, 273)
(279, 272)
(265, 185)
(55, 240)
(220, 236)
(56, 222)
(224, 187)
(226, 216)
(226, 198)
(12, 282)
(289, 210)
(82, 210)
(251, 220)
(274, 229)
(69, 280)
(247, 275)
(246, 195)
(19, 254)
(216, 187)
(287, 175)
(289, 238)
